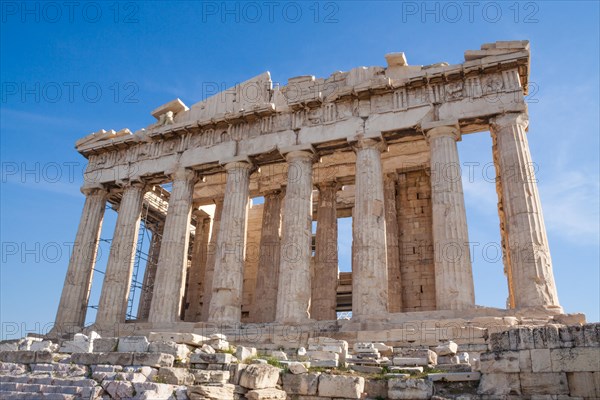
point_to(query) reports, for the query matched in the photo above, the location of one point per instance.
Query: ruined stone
(133, 344)
(115, 358)
(259, 376)
(191, 339)
(201, 392)
(506, 361)
(216, 358)
(410, 361)
(46, 345)
(201, 377)
(409, 389)
(305, 384)
(155, 360)
(454, 376)
(105, 345)
(118, 389)
(266, 394)
(427, 354)
(175, 376)
(279, 355)
(575, 359)
(446, 349)
(242, 353)
(584, 384)
(348, 387)
(543, 383)
(206, 348)
(540, 360)
(297, 368)
(376, 388)
(499, 384)
(181, 352)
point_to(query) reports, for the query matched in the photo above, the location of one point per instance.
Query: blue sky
(69, 71)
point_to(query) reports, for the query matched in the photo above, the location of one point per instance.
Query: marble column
(324, 286)
(392, 243)
(169, 285)
(294, 290)
(150, 273)
(530, 265)
(453, 274)
(265, 293)
(196, 282)
(211, 257)
(76, 290)
(369, 264)
(226, 302)
(112, 308)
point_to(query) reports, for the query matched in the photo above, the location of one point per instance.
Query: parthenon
(378, 144)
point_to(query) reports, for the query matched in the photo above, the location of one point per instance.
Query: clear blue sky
(67, 72)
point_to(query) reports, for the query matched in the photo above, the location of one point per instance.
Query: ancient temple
(252, 168)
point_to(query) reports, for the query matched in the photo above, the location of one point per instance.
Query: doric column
(117, 279)
(150, 273)
(211, 258)
(527, 258)
(169, 285)
(369, 266)
(324, 284)
(453, 274)
(267, 278)
(226, 301)
(392, 242)
(293, 292)
(75, 294)
(196, 282)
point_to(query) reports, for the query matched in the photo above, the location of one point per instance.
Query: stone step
(84, 392)
(36, 396)
(454, 376)
(47, 380)
(454, 367)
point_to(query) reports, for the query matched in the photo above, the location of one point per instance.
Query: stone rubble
(524, 362)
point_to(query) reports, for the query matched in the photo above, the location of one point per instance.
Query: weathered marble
(150, 274)
(293, 295)
(392, 244)
(265, 293)
(78, 281)
(211, 258)
(324, 284)
(173, 259)
(115, 288)
(369, 254)
(196, 284)
(529, 262)
(453, 274)
(226, 300)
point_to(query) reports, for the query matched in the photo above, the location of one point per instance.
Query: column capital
(241, 163)
(328, 184)
(436, 129)
(369, 143)
(183, 174)
(504, 120)
(90, 190)
(300, 155)
(299, 150)
(138, 183)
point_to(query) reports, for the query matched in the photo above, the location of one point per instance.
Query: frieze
(306, 102)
